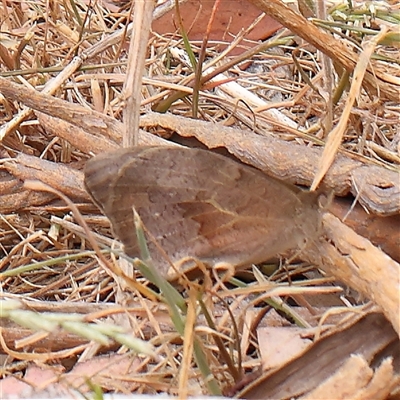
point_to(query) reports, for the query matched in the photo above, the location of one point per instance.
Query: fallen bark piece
(370, 337)
(356, 262)
(357, 380)
(57, 175)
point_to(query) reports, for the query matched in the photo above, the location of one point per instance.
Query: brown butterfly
(201, 204)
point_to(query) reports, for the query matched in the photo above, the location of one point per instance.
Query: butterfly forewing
(198, 203)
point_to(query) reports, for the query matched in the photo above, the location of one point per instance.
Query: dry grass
(46, 263)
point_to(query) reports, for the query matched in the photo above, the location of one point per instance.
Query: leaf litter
(60, 304)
